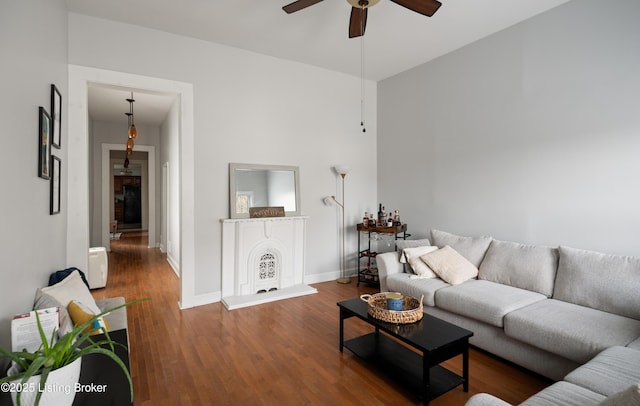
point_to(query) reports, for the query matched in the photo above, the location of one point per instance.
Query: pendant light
(133, 131)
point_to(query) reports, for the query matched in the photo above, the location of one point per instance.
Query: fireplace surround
(263, 260)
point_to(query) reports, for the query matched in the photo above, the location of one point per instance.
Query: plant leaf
(71, 346)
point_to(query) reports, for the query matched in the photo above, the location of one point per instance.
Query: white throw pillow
(402, 244)
(418, 266)
(627, 397)
(72, 288)
(450, 266)
(416, 252)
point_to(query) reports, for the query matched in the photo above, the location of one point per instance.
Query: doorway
(127, 201)
(80, 78)
(145, 158)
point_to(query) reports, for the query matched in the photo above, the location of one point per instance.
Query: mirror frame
(232, 186)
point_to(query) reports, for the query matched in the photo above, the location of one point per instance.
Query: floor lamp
(342, 171)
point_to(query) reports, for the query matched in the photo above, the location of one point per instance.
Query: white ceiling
(396, 38)
(109, 103)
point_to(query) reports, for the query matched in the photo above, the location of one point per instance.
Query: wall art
(44, 144)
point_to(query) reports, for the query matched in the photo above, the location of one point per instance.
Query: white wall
(255, 109)
(170, 156)
(33, 45)
(531, 134)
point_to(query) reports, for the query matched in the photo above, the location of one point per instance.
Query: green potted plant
(62, 355)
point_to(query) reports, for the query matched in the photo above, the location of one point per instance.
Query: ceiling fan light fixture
(363, 3)
(359, 10)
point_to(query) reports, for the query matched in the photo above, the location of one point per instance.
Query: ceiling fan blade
(357, 22)
(425, 7)
(299, 5)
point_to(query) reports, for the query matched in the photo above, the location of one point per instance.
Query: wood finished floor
(280, 353)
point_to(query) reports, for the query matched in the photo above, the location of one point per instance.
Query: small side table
(367, 272)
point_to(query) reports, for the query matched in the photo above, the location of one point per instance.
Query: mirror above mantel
(255, 185)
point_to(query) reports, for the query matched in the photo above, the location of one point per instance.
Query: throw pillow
(627, 397)
(402, 244)
(80, 314)
(58, 276)
(450, 266)
(44, 301)
(472, 248)
(418, 266)
(72, 288)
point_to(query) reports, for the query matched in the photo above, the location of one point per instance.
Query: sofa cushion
(402, 282)
(485, 399)
(71, 288)
(472, 248)
(574, 332)
(627, 397)
(609, 372)
(566, 394)
(450, 266)
(522, 266)
(402, 244)
(635, 344)
(485, 301)
(606, 282)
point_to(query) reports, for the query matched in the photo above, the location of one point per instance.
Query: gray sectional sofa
(548, 309)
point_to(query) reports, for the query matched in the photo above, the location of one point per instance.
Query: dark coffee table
(436, 340)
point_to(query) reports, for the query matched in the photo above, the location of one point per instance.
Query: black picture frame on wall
(44, 144)
(56, 117)
(56, 170)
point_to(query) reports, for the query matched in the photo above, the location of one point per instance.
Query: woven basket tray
(411, 309)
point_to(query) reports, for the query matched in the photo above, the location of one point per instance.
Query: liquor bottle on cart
(381, 215)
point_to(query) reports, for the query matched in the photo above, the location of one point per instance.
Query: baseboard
(327, 276)
(174, 265)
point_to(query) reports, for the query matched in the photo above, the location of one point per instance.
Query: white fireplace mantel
(265, 255)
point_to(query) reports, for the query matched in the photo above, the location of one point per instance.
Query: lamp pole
(343, 268)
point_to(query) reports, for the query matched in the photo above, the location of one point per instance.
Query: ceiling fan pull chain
(362, 95)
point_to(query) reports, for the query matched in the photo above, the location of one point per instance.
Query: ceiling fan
(358, 20)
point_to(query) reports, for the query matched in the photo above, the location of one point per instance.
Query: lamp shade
(133, 132)
(341, 169)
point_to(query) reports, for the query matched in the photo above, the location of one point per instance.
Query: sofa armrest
(484, 399)
(117, 320)
(388, 264)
